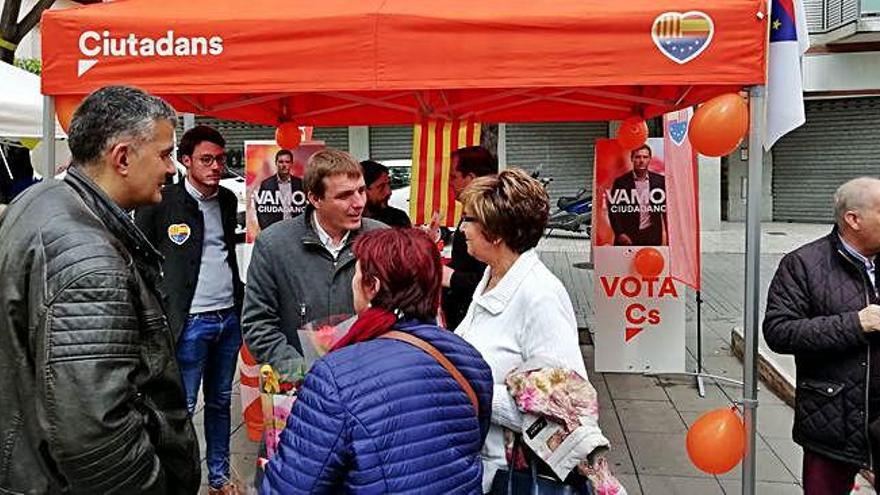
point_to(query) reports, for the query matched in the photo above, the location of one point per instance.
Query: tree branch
(31, 19)
(8, 18)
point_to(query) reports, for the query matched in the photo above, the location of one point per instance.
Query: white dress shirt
(285, 188)
(527, 314)
(326, 240)
(643, 196)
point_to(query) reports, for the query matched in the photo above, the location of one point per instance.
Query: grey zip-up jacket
(292, 280)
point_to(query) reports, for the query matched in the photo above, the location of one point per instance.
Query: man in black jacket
(378, 182)
(822, 307)
(194, 229)
(637, 204)
(461, 276)
(91, 399)
(280, 196)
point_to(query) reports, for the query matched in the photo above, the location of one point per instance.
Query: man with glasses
(378, 182)
(194, 229)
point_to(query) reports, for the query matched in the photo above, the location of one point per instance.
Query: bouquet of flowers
(318, 337)
(276, 398)
(278, 390)
(561, 423)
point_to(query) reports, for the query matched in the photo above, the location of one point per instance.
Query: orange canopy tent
(351, 62)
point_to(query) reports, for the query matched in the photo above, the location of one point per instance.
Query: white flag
(789, 41)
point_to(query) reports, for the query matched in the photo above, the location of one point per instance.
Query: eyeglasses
(208, 159)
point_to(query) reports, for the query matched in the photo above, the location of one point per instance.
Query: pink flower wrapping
(604, 483)
(276, 410)
(324, 338)
(566, 398)
(556, 393)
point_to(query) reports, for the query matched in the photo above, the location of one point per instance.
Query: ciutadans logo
(94, 44)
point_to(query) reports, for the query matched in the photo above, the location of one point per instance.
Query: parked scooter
(545, 181)
(573, 213)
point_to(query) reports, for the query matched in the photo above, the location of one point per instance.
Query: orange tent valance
(349, 62)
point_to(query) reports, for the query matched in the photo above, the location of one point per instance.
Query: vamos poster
(274, 183)
(639, 306)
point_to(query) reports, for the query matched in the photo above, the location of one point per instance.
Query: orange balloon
(717, 441)
(719, 125)
(648, 262)
(633, 133)
(65, 106)
(288, 135)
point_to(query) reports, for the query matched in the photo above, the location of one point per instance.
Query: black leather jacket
(91, 399)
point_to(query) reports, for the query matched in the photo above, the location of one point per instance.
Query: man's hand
(870, 318)
(447, 276)
(433, 228)
(624, 240)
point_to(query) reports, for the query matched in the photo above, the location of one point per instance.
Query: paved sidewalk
(646, 418)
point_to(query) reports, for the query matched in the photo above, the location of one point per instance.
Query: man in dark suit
(637, 204)
(280, 196)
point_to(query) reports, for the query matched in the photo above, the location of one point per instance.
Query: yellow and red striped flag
(433, 143)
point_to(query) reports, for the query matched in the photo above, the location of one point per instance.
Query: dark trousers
(824, 476)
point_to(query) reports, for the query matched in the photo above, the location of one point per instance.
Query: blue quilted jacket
(383, 416)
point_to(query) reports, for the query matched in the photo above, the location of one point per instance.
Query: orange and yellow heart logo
(178, 233)
(682, 36)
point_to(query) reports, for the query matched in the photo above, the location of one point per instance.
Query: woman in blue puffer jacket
(378, 415)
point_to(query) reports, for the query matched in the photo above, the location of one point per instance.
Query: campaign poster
(630, 187)
(274, 186)
(267, 203)
(640, 319)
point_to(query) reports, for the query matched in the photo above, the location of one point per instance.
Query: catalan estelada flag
(433, 143)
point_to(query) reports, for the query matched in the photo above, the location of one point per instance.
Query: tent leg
(753, 287)
(49, 135)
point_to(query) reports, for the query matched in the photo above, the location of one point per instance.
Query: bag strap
(443, 360)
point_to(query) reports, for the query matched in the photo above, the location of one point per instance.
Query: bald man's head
(857, 213)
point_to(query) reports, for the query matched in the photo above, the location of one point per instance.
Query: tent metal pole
(753, 284)
(49, 134)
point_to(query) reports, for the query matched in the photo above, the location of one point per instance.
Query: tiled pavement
(646, 418)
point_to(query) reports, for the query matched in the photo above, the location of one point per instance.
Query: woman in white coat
(520, 310)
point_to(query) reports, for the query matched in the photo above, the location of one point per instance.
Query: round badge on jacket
(178, 233)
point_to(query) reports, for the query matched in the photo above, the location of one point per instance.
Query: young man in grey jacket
(301, 268)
